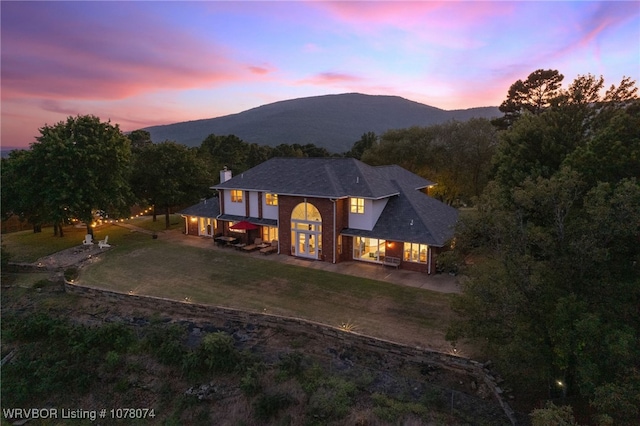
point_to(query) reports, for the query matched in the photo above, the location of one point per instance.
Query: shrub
(71, 274)
(250, 382)
(165, 343)
(392, 411)
(291, 365)
(267, 406)
(332, 400)
(218, 352)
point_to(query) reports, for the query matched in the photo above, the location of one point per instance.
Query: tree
(82, 165)
(169, 174)
(555, 288)
(225, 151)
(533, 95)
(456, 155)
(139, 139)
(18, 189)
(581, 122)
(367, 140)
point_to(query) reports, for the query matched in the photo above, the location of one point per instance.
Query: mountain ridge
(333, 122)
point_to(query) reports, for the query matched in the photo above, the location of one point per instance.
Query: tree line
(83, 167)
(553, 293)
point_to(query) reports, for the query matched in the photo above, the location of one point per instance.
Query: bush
(291, 365)
(332, 400)
(250, 382)
(392, 411)
(218, 352)
(165, 343)
(448, 262)
(267, 406)
(71, 274)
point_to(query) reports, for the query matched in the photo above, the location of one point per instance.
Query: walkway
(442, 283)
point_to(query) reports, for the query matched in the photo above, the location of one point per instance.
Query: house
(331, 210)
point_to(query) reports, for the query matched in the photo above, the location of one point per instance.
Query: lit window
(415, 252)
(357, 205)
(272, 199)
(236, 196)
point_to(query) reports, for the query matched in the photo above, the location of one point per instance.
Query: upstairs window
(357, 205)
(272, 199)
(236, 196)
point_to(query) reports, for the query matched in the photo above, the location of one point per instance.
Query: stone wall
(401, 353)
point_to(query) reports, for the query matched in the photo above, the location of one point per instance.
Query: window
(414, 252)
(269, 233)
(357, 205)
(272, 199)
(368, 249)
(236, 196)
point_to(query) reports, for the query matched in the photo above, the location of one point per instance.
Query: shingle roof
(411, 216)
(206, 208)
(314, 177)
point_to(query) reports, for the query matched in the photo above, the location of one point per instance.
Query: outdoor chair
(88, 240)
(104, 243)
(253, 246)
(271, 249)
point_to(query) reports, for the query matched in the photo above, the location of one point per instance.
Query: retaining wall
(400, 353)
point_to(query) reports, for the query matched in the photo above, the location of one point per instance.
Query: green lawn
(168, 269)
(27, 246)
(225, 278)
(146, 222)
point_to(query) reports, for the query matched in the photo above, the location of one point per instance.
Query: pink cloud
(330, 78)
(42, 57)
(447, 23)
(260, 70)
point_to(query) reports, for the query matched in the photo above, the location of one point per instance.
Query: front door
(307, 245)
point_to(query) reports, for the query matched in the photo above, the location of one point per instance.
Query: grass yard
(169, 269)
(26, 246)
(160, 268)
(146, 222)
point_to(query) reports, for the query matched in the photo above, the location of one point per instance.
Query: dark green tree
(225, 151)
(139, 139)
(82, 165)
(367, 140)
(19, 196)
(555, 288)
(534, 95)
(169, 174)
(455, 155)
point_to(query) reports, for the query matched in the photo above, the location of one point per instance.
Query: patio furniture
(391, 261)
(253, 246)
(270, 249)
(104, 243)
(225, 241)
(88, 240)
(239, 246)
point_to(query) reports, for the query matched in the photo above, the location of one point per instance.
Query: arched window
(306, 211)
(306, 231)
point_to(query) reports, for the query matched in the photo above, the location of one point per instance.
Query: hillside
(334, 122)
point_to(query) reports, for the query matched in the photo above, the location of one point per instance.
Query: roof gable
(205, 208)
(316, 177)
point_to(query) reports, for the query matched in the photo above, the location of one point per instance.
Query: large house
(331, 210)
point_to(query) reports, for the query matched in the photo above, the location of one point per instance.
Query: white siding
(268, 212)
(253, 203)
(367, 220)
(237, 209)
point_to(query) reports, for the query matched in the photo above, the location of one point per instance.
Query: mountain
(334, 122)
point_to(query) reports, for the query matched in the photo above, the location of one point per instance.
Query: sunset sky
(146, 63)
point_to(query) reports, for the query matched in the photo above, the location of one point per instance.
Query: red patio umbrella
(243, 225)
